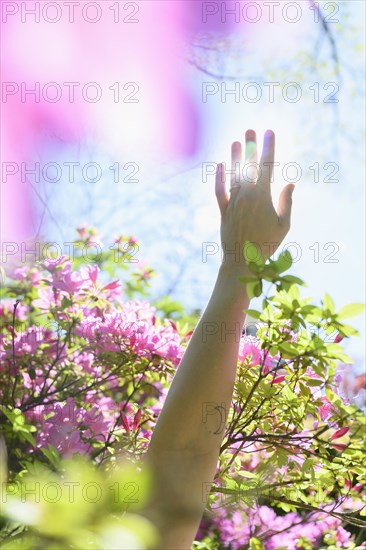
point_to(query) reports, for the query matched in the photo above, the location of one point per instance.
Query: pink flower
(61, 264)
(20, 273)
(89, 234)
(136, 420)
(347, 483)
(125, 422)
(112, 286)
(258, 356)
(26, 273)
(339, 447)
(66, 439)
(339, 433)
(28, 342)
(47, 298)
(98, 424)
(7, 309)
(113, 290)
(63, 278)
(85, 360)
(62, 430)
(93, 271)
(326, 410)
(83, 232)
(278, 379)
(68, 282)
(247, 349)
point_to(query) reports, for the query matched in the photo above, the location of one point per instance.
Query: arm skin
(185, 445)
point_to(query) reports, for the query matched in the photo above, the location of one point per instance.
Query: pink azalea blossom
(7, 309)
(61, 264)
(326, 410)
(339, 433)
(47, 299)
(27, 273)
(93, 271)
(62, 429)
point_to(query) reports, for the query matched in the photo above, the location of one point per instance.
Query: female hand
(247, 213)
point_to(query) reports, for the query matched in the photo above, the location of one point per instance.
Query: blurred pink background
(141, 43)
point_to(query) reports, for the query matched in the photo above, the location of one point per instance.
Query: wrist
(236, 256)
(229, 280)
(234, 270)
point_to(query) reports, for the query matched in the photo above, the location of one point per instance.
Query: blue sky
(173, 210)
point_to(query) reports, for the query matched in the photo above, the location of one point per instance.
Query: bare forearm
(206, 373)
(185, 447)
(186, 442)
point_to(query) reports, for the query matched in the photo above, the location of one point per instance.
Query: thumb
(220, 189)
(285, 204)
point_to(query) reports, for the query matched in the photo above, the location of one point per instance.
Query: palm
(247, 213)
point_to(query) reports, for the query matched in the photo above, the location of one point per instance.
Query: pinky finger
(220, 188)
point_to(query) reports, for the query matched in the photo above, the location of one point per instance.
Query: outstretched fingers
(239, 181)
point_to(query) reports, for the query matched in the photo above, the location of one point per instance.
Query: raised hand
(184, 448)
(247, 211)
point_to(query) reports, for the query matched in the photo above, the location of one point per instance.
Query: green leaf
(308, 464)
(347, 330)
(269, 274)
(333, 397)
(253, 313)
(168, 306)
(288, 349)
(294, 293)
(293, 280)
(253, 267)
(252, 256)
(351, 310)
(282, 457)
(66, 302)
(328, 303)
(335, 352)
(21, 543)
(52, 455)
(249, 475)
(248, 279)
(304, 390)
(313, 381)
(254, 289)
(28, 437)
(283, 263)
(255, 544)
